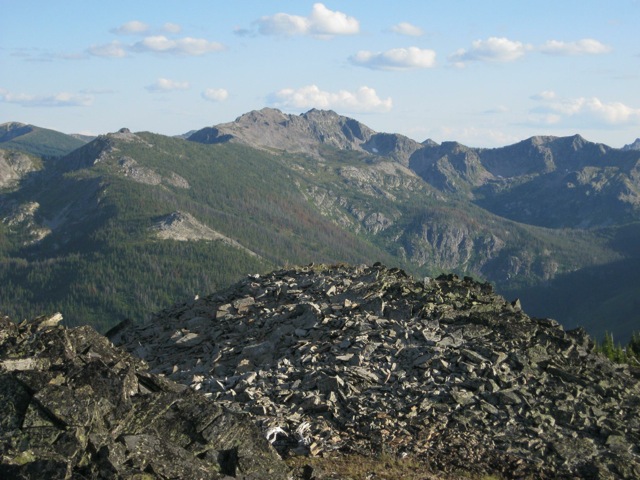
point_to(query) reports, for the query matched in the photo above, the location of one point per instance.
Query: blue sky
(484, 73)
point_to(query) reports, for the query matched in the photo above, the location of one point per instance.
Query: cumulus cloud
(553, 110)
(395, 59)
(406, 28)
(159, 44)
(159, 40)
(98, 91)
(586, 46)
(110, 50)
(62, 99)
(132, 27)
(477, 136)
(321, 22)
(493, 49)
(215, 94)
(363, 100)
(166, 85)
(182, 46)
(544, 95)
(172, 28)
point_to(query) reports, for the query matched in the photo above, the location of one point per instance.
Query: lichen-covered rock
(367, 359)
(74, 406)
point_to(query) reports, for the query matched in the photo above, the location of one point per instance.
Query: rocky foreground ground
(367, 360)
(75, 407)
(317, 362)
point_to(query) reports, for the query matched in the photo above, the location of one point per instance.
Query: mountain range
(125, 223)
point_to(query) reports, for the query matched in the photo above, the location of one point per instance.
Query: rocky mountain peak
(539, 140)
(578, 141)
(367, 359)
(265, 115)
(124, 134)
(316, 114)
(306, 133)
(633, 146)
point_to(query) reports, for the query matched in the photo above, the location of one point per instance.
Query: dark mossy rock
(74, 406)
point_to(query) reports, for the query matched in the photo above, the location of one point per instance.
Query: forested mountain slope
(130, 222)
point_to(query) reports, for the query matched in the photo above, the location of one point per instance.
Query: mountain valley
(126, 223)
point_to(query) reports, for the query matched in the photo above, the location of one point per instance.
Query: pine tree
(633, 348)
(607, 348)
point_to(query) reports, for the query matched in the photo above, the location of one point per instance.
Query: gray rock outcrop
(75, 407)
(368, 360)
(14, 166)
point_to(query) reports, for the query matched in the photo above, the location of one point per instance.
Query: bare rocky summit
(633, 146)
(75, 407)
(366, 360)
(272, 129)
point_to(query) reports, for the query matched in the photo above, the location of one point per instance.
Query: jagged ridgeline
(368, 360)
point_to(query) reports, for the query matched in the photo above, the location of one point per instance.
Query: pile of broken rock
(366, 359)
(76, 407)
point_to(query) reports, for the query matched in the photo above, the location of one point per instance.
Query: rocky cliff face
(73, 406)
(368, 360)
(554, 182)
(14, 166)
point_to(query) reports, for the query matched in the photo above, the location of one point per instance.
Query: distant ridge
(37, 140)
(271, 129)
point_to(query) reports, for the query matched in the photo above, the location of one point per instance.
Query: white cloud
(321, 22)
(215, 94)
(493, 49)
(166, 85)
(586, 46)
(135, 27)
(500, 109)
(545, 95)
(476, 136)
(327, 22)
(363, 100)
(172, 28)
(98, 91)
(132, 27)
(405, 28)
(182, 46)
(283, 24)
(395, 59)
(110, 50)
(62, 99)
(591, 110)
